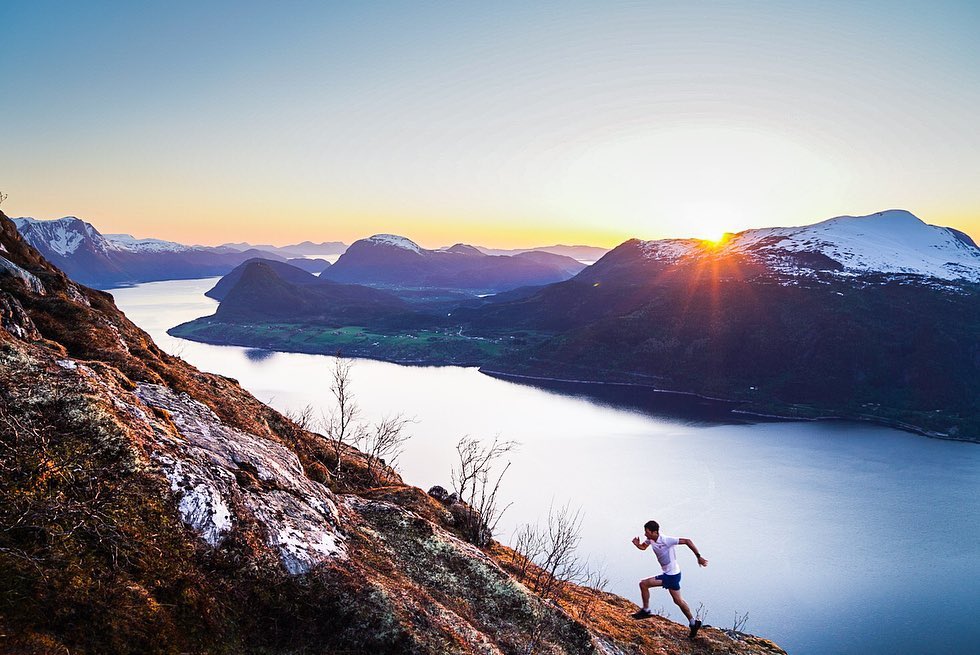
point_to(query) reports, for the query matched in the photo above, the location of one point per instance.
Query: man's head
(651, 529)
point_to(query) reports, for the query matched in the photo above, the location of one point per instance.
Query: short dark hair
(652, 526)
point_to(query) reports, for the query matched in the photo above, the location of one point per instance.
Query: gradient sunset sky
(496, 123)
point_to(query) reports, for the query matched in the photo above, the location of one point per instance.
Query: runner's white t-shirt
(663, 548)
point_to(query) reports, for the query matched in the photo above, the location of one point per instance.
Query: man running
(663, 548)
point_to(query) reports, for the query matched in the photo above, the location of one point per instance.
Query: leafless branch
(475, 484)
(384, 444)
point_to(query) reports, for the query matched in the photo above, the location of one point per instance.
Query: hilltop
(148, 507)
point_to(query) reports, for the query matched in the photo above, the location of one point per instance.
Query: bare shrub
(384, 444)
(52, 494)
(302, 418)
(740, 620)
(344, 428)
(553, 551)
(475, 485)
(701, 613)
(549, 564)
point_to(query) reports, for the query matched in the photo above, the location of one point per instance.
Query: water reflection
(688, 408)
(258, 354)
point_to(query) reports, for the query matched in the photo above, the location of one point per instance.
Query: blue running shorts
(671, 581)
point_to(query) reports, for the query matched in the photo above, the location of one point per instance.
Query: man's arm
(641, 545)
(694, 549)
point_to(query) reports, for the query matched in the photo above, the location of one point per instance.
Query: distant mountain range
(394, 261)
(584, 254)
(872, 317)
(304, 249)
(108, 260)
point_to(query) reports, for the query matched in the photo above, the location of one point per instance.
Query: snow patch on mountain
(671, 250)
(62, 236)
(892, 241)
(129, 243)
(396, 241)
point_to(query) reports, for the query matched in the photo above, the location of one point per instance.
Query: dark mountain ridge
(262, 292)
(393, 261)
(788, 330)
(286, 270)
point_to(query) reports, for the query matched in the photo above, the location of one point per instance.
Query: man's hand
(702, 561)
(636, 541)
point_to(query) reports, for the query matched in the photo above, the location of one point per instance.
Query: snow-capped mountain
(108, 260)
(893, 242)
(862, 316)
(129, 243)
(395, 241)
(62, 236)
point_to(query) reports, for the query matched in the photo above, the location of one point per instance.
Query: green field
(430, 346)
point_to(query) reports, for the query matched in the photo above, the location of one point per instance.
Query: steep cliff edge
(148, 507)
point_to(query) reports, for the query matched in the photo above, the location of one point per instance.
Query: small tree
(475, 484)
(341, 425)
(381, 443)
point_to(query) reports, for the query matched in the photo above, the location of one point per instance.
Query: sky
(504, 124)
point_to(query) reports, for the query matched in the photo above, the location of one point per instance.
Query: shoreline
(857, 418)
(734, 406)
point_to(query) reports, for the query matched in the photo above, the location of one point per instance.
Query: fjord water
(834, 537)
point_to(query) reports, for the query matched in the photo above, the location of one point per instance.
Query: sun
(687, 181)
(714, 238)
(708, 221)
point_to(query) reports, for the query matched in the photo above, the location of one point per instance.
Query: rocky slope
(147, 507)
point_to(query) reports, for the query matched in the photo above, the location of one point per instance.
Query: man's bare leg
(681, 603)
(645, 586)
